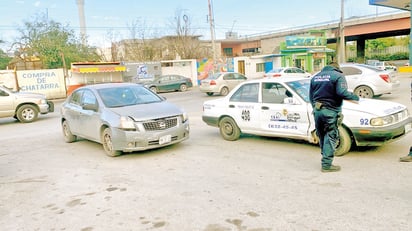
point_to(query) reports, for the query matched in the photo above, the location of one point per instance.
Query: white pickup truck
(23, 106)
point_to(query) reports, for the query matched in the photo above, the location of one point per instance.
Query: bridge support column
(360, 50)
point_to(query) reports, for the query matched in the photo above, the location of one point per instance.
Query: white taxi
(280, 107)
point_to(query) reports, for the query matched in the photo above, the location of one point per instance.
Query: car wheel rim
(108, 142)
(66, 130)
(28, 114)
(364, 93)
(224, 91)
(228, 128)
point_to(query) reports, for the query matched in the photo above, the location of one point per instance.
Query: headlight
(184, 117)
(127, 123)
(381, 121)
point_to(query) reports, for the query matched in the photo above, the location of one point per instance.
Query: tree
(142, 46)
(50, 41)
(380, 43)
(145, 44)
(4, 60)
(185, 44)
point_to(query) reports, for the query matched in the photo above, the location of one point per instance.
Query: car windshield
(10, 89)
(127, 96)
(301, 87)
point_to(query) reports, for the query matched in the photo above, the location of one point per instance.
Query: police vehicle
(280, 107)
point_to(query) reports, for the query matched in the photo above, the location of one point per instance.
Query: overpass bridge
(357, 29)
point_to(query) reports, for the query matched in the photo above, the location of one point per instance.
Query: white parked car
(280, 107)
(221, 82)
(382, 65)
(286, 71)
(367, 81)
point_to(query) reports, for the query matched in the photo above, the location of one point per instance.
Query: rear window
(214, 76)
(370, 67)
(246, 93)
(351, 71)
(356, 70)
(276, 70)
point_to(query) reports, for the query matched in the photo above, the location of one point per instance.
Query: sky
(108, 20)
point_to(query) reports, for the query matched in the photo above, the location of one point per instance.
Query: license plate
(408, 128)
(165, 139)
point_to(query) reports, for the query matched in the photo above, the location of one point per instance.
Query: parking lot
(204, 183)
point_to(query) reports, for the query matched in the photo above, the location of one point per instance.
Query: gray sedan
(123, 117)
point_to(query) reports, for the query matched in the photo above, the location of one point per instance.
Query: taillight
(277, 75)
(212, 82)
(385, 78)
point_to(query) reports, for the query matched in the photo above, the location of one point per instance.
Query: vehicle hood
(143, 112)
(30, 95)
(374, 106)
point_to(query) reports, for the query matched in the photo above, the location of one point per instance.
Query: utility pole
(212, 34)
(80, 6)
(341, 53)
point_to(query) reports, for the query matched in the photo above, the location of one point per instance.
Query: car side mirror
(90, 106)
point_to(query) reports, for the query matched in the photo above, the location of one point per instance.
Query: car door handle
(231, 106)
(265, 108)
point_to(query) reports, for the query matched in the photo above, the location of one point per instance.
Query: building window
(260, 67)
(228, 51)
(250, 50)
(167, 64)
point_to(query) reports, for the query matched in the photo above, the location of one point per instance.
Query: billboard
(49, 82)
(305, 42)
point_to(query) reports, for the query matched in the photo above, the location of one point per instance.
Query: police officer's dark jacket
(329, 87)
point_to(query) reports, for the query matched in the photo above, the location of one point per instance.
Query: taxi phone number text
(282, 126)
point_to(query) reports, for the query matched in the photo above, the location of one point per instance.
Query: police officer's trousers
(326, 123)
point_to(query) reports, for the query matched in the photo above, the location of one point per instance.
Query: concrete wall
(187, 68)
(250, 65)
(141, 71)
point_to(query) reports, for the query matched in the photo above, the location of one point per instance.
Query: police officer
(327, 91)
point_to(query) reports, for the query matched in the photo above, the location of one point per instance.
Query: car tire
(345, 142)
(229, 129)
(364, 92)
(154, 89)
(107, 142)
(27, 113)
(67, 133)
(209, 93)
(183, 87)
(224, 91)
